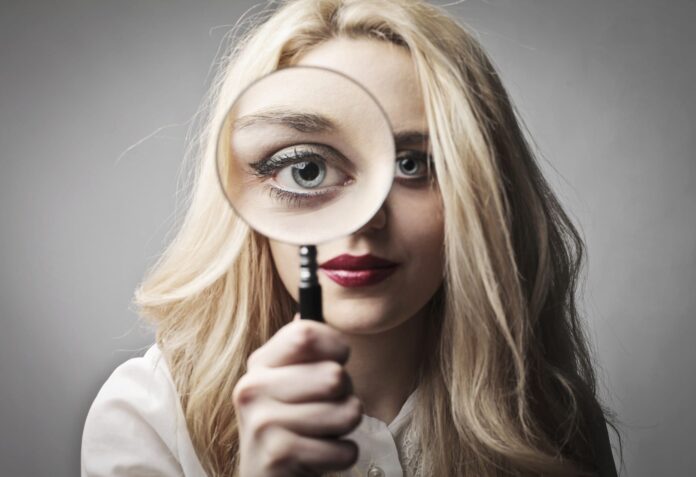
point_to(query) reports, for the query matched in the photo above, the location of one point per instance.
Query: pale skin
(311, 382)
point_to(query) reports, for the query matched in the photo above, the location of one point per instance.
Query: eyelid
(296, 200)
(272, 166)
(276, 161)
(421, 156)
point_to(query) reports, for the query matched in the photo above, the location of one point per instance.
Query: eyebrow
(403, 138)
(311, 122)
(302, 121)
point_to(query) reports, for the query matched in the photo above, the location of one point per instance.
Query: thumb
(296, 317)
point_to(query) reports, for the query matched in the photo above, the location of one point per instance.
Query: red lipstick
(358, 271)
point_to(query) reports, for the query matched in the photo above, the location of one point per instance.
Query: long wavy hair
(509, 387)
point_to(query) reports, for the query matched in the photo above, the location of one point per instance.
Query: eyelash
(269, 166)
(421, 157)
(293, 199)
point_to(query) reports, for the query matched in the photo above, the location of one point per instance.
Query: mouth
(358, 271)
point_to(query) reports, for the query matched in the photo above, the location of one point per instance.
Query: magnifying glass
(306, 155)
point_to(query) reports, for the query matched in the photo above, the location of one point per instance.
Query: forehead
(385, 69)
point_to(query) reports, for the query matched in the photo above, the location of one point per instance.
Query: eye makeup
(309, 175)
(294, 200)
(305, 167)
(413, 167)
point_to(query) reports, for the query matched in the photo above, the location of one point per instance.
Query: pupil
(308, 171)
(308, 174)
(408, 166)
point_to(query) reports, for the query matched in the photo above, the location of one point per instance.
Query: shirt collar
(372, 424)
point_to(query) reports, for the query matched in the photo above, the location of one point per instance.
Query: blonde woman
(467, 359)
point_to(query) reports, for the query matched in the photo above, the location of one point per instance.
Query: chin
(359, 318)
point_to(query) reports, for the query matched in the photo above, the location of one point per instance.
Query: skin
(300, 386)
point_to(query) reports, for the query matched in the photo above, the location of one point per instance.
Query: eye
(308, 172)
(413, 165)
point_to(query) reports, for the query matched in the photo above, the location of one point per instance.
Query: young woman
(469, 359)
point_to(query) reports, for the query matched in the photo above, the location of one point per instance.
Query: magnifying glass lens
(305, 155)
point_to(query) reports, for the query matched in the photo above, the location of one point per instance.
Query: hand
(294, 403)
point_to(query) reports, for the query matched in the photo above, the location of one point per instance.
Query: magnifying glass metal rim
(241, 94)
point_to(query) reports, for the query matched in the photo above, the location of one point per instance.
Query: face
(386, 272)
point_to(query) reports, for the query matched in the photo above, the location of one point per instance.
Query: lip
(358, 271)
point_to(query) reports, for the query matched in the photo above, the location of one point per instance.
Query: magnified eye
(304, 172)
(308, 174)
(413, 165)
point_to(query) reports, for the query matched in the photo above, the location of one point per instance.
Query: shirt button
(375, 471)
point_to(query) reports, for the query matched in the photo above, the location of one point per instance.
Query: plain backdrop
(95, 101)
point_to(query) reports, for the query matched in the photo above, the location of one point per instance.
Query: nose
(377, 222)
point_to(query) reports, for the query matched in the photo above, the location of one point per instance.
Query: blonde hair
(510, 387)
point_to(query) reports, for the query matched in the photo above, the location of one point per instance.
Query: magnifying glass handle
(310, 290)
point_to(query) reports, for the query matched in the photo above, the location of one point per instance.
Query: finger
(309, 382)
(317, 419)
(325, 455)
(301, 341)
(287, 449)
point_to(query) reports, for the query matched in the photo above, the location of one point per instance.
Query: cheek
(418, 222)
(419, 226)
(425, 247)
(287, 262)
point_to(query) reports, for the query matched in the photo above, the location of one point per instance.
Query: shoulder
(601, 444)
(135, 424)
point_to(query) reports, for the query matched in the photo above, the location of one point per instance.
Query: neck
(384, 366)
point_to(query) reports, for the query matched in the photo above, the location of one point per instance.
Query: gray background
(605, 87)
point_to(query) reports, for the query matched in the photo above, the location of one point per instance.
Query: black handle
(310, 290)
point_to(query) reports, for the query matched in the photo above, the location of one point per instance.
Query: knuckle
(244, 392)
(353, 411)
(349, 384)
(252, 359)
(304, 336)
(334, 380)
(348, 453)
(280, 452)
(259, 423)
(341, 341)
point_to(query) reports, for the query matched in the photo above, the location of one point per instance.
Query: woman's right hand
(294, 403)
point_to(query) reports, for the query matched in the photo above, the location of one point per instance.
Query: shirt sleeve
(132, 426)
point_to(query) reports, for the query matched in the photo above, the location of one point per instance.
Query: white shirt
(136, 427)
